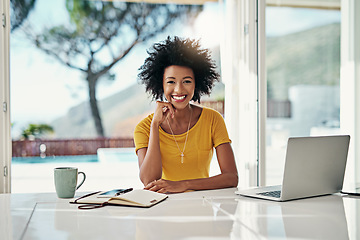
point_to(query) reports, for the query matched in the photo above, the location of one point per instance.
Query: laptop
(314, 166)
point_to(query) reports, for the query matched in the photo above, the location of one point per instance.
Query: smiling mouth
(179, 98)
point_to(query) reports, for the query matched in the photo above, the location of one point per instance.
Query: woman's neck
(183, 114)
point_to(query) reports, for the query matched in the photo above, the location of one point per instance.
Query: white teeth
(178, 98)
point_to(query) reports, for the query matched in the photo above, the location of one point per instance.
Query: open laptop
(314, 166)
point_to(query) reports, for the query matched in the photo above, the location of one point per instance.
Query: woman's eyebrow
(175, 78)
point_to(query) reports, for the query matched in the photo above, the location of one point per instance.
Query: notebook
(314, 166)
(133, 198)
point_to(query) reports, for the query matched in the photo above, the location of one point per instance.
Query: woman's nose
(178, 88)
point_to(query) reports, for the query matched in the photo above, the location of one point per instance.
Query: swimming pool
(55, 159)
(104, 155)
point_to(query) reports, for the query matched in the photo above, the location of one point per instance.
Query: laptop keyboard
(275, 194)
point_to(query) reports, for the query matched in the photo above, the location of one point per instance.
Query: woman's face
(179, 85)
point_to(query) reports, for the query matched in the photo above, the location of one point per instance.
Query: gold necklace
(182, 155)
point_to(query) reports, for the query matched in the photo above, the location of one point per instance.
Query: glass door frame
(5, 125)
(350, 87)
(245, 103)
(243, 71)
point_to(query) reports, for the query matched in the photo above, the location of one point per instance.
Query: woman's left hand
(166, 186)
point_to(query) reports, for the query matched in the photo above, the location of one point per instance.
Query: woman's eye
(187, 81)
(170, 82)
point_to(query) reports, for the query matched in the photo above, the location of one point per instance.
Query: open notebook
(135, 198)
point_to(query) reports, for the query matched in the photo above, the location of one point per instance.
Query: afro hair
(180, 52)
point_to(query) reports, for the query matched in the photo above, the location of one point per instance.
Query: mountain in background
(310, 57)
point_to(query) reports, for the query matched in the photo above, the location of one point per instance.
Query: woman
(175, 144)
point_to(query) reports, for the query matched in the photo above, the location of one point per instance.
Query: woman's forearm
(151, 166)
(222, 180)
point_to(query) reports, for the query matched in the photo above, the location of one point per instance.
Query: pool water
(56, 159)
(104, 155)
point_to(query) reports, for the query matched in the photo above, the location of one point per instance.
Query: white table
(215, 214)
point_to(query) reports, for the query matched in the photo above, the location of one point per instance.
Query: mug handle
(84, 177)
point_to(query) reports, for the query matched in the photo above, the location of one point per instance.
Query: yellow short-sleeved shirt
(208, 133)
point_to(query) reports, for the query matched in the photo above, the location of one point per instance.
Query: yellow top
(208, 133)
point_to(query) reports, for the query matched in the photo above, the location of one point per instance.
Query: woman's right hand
(162, 111)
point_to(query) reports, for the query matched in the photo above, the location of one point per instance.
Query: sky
(43, 90)
(285, 20)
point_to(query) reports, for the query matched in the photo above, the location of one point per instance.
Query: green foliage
(36, 130)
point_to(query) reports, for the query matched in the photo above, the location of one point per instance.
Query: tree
(20, 10)
(36, 130)
(102, 33)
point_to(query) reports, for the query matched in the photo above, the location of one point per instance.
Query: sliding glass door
(302, 76)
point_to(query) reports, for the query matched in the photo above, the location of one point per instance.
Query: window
(53, 112)
(258, 139)
(262, 86)
(303, 77)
